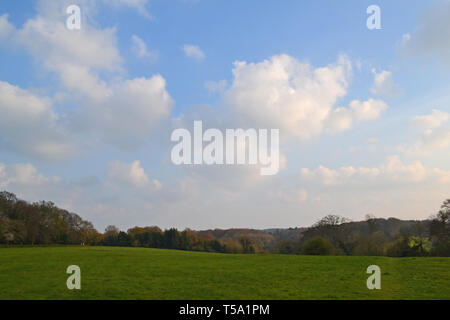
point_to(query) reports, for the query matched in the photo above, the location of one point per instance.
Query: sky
(86, 115)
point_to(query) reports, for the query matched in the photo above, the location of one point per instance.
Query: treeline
(154, 237)
(42, 223)
(335, 235)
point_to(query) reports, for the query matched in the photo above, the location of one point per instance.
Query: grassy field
(139, 273)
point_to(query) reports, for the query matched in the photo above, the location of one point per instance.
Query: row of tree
(42, 223)
(374, 237)
(154, 237)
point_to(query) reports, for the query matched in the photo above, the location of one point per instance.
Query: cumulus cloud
(283, 93)
(76, 56)
(193, 51)
(296, 98)
(6, 29)
(123, 112)
(327, 176)
(140, 49)
(384, 85)
(432, 37)
(131, 174)
(341, 119)
(391, 172)
(437, 138)
(436, 119)
(29, 125)
(24, 175)
(133, 110)
(434, 134)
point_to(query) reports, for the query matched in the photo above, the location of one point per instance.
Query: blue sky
(375, 141)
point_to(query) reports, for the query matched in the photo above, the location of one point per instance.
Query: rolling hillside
(140, 273)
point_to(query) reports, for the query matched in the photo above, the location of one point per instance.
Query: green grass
(139, 273)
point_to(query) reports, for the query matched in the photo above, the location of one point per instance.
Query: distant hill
(291, 234)
(259, 237)
(391, 227)
(42, 223)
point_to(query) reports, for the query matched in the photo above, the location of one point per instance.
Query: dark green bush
(318, 246)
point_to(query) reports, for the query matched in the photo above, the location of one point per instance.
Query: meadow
(142, 273)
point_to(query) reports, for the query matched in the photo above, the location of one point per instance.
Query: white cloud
(437, 138)
(140, 49)
(193, 51)
(391, 172)
(433, 120)
(283, 93)
(80, 80)
(122, 112)
(29, 125)
(50, 41)
(133, 110)
(434, 135)
(384, 84)
(367, 110)
(396, 170)
(76, 56)
(6, 29)
(131, 174)
(23, 175)
(341, 119)
(294, 97)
